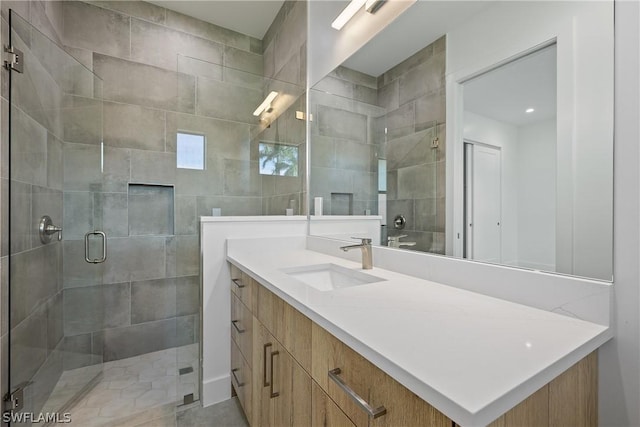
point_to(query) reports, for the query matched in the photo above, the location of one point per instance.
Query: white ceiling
(423, 23)
(251, 17)
(505, 93)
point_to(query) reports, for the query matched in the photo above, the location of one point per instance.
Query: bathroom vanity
(314, 342)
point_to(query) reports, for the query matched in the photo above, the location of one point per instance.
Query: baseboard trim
(216, 390)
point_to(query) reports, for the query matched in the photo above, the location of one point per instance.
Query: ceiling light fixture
(266, 104)
(352, 8)
(529, 110)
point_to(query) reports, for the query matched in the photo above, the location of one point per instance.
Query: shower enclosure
(124, 137)
(92, 295)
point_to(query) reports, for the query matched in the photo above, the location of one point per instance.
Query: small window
(190, 151)
(278, 159)
(382, 175)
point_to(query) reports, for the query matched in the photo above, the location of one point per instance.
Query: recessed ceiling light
(529, 110)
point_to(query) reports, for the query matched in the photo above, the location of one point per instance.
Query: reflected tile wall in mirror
(397, 116)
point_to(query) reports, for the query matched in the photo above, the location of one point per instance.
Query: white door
(483, 200)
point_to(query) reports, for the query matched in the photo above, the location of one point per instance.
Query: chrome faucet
(394, 241)
(367, 255)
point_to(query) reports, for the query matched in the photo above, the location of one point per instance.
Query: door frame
(467, 237)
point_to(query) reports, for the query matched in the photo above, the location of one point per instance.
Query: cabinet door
(282, 393)
(288, 326)
(262, 345)
(325, 413)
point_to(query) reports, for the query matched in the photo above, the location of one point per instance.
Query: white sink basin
(329, 277)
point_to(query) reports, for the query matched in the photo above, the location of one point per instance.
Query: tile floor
(224, 414)
(131, 391)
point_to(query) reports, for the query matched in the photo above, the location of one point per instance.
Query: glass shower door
(57, 306)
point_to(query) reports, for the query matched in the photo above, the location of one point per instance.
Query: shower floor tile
(128, 387)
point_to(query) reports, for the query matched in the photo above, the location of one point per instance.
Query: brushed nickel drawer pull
(265, 383)
(238, 283)
(373, 413)
(276, 394)
(235, 325)
(233, 372)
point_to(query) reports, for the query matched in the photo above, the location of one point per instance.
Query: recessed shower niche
(341, 204)
(151, 209)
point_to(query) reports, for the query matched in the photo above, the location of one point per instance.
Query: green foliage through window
(278, 159)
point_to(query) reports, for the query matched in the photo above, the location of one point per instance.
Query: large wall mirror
(480, 130)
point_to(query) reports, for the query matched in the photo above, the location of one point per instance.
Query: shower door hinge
(15, 62)
(14, 401)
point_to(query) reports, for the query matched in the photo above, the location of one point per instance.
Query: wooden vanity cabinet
(275, 340)
(242, 286)
(324, 411)
(241, 379)
(301, 375)
(282, 388)
(403, 408)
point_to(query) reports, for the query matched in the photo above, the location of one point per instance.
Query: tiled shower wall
(36, 269)
(160, 72)
(413, 93)
(348, 137)
(285, 62)
(345, 146)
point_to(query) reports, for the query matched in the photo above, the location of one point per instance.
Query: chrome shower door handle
(104, 247)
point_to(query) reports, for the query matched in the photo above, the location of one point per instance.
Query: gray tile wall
(160, 72)
(285, 67)
(396, 116)
(413, 92)
(344, 145)
(36, 315)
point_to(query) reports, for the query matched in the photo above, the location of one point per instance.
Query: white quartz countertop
(471, 356)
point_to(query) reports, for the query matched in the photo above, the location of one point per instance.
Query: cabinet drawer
(241, 327)
(403, 408)
(241, 379)
(242, 285)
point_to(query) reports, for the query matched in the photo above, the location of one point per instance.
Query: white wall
(216, 296)
(536, 182)
(482, 129)
(585, 114)
(619, 360)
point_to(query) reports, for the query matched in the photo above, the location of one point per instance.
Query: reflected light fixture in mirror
(352, 8)
(266, 104)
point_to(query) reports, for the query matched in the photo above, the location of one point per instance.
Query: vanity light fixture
(372, 6)
(529, 110)
(266, 104)
(352, 8)
(347, 13)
